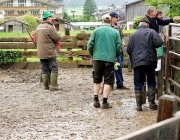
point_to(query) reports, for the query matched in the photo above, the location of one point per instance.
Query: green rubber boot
(45, 78)
(53, 79)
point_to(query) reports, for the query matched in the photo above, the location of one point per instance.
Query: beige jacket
(46, 39)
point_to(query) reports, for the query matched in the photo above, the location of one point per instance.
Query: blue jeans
(118, 73)
(140, 75)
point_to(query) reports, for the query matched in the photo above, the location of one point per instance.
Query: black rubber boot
(151, 98)
(138, 94)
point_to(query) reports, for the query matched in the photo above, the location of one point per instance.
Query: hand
(123, 44)
(177, 18)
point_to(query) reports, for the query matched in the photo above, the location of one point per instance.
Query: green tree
(174, 5)
(31, 20)
(89, 8)
(66, 16)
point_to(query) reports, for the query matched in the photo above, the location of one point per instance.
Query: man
(142, 51)
(154, 21)
(119, 59)
(159, 14)
(46, 39)
(104, 46)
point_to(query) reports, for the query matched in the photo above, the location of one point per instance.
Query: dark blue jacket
(155, 22)
(142, 47)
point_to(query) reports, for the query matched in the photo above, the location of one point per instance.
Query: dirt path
(28, 112)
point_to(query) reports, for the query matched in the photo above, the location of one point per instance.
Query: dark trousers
(118, 73)
(141, 73)
(49, 66)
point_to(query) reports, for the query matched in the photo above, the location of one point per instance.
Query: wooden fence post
(167, 107)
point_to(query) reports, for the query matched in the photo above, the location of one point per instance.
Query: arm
(157, 40)
(90, 44)
(164, 22)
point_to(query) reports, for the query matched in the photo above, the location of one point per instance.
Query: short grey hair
(151, 9)
(143, 24)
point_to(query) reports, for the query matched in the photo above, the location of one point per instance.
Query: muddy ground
(28, 112)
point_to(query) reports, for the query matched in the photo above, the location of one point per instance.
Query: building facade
(15, 8)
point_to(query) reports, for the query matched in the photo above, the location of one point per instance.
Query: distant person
(154, 21)
(119, 59)
(104, 46)
(46, 39)
(141, 48)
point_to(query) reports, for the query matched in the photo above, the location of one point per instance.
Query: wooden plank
(167, 107)
(18, 45)
(81, 53)
(15, 39)
(65, 45)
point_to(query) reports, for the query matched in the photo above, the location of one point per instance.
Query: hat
(114, 14)
(54, 17)
(144, 19)
(106, 17)
(46, 14)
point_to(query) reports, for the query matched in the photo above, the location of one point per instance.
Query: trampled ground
(28, 112)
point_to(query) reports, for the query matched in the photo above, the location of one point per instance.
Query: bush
(136, 21)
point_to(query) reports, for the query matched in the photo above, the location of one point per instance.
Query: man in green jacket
(104, 46)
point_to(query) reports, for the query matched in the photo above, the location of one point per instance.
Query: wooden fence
(74, 46)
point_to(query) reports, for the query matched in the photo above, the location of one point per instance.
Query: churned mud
(28, 112)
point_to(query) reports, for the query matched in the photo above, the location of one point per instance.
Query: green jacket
(104, 44)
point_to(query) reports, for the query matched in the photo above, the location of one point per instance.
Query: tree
(174, 5)
(31, 20)
(89, 8)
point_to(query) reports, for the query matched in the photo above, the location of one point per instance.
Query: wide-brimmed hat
(46, 14)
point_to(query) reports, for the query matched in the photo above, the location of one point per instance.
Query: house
(13, 25)
(15, 8)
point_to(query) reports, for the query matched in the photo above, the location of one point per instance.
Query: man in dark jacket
(46, 39)
(154, 21)
(142, 51)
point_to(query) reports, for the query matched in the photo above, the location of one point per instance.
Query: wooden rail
(74, 46)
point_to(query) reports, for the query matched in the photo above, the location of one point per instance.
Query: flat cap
(144, 19)
(114, 14)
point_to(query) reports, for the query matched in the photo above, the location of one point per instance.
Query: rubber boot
(45, 78)
(53, 79)
(138, 94)
(151, 98)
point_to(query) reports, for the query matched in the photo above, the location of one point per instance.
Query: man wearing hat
(46, 39)
(118, 72)
(142, 51)
(104, 46)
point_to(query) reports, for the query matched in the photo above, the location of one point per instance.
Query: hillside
(80, 3)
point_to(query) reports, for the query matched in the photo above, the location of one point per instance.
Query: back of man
(104, 39)
(144, 52)
(46, 37)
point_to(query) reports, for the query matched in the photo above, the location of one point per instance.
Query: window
(22, 3)
(8, 4)
(34, 12)
(10, 12)
(21, 12)
(35, 3)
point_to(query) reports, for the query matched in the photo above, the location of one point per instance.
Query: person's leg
(45, 73)
(108, 81)
(151, 81)
(97, 79)
(54, 73)
(139, 79)
(119, 75)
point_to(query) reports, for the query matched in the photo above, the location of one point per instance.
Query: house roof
(43, 1)
(133, 2)
(14, 19)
